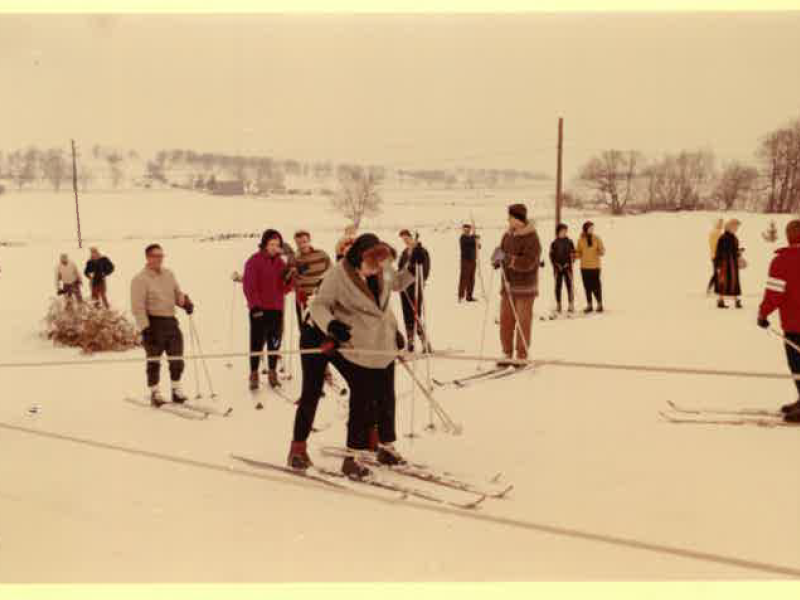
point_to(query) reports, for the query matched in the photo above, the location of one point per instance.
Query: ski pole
(784, 339)
(477, 256)
(229, 364)
(426, 344)
(510, 299)
(450, 425)
(486, 320)
(202, 355)
(198, 393)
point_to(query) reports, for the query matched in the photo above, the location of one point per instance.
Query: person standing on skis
(352, 307)
(469, 244)
(562, 256)
(154, 295)
(590, 251)
(783, 294)
(518, 256)
(266, 281)
(412, 298)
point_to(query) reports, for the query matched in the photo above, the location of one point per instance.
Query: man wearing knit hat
(518, 256)
(266, 283)
(783, 294)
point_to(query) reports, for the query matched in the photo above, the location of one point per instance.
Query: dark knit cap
(362, 243)
(519, 212)
(270, 234)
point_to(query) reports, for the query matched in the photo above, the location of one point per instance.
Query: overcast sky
(436, 91)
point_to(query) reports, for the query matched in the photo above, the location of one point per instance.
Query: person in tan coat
(590, 251)
(154, 295)
(519, 257)
(713, 240)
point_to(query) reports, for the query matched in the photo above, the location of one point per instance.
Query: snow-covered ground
(603, 488)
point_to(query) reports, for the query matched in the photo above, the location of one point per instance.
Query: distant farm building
(227, 188)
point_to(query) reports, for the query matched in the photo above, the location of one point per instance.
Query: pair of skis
(187, 410)
(717, 416)
(336, 479)
(490, 375)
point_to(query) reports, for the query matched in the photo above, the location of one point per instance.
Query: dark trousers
(412, 312)
(73, 290)
(592, 285)
(466, 282)
(163, 336)
(793, 356)
(564, 276)
(712, 283)
(372, 400)
(265, 327)
(313, 367)
(99, 293)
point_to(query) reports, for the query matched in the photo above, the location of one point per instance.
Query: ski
(480, 375)
(424, 474)
(335, 479)
(178, 410)
(508, 372)
(741, 421)
(747, 412)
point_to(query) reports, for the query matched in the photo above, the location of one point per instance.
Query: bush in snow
(771, 234)
(88, 327)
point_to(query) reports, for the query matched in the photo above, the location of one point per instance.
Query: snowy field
(604, 489)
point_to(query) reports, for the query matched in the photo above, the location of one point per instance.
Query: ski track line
(675, 551)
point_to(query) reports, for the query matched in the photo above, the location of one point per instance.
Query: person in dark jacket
(414, 257)
(782, 293)
(266, 282)
(98, 268)
(727, 261)
(562, 255)
(470, 244)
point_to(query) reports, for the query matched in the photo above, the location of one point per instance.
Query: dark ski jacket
(409, 259)
(782, 291)
(726, 262)
(101, 268)
(562, 253)
(469, 247)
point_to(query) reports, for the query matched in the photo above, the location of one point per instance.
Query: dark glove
(401, 341)
(763, 323)
(61, 292)
(302, 268)
(339, 331)
(188, 305)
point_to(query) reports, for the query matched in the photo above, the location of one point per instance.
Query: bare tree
(736, 181)
(680, 181)
(358, 194)
(780, 156)
(85, 177)
(115, 168)
(54, 167)
(612, 176)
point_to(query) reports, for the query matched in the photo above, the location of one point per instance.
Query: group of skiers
(69, 280)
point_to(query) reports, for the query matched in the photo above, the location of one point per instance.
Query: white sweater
(68, 274)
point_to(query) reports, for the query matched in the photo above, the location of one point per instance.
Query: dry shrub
(88, 327)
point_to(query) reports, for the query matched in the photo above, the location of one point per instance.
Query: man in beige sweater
(154, 295)
(68, 279)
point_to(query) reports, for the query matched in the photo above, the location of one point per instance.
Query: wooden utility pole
(559, 169)
(75, 189)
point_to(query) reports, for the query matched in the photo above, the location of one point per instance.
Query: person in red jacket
(783, 294)
(266, 282)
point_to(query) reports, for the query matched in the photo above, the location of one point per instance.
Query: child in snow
(590, 250)
(154, 295)
(783, 294)
(562, 255)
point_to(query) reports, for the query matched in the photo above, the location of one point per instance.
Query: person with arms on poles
(98, 268)
(783, 294)
(562, 256)
(590, 251)
(414, 257)
(154, 295)
(469, 244)
(68, 279)
(518, 259)
(265, 282)
(352, 307)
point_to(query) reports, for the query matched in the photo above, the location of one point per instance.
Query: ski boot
(738, 303)
(178, 397)
(353, 469)
(787, 408)
(272, 377)
(255, 383)
(599, 308)
(571, 309)
(505, 363)
(298, 459)
(721, 304)
(156, 399)
(389, 456)
(792, 417)
(589, 309)
(559, 308)
(471, 299)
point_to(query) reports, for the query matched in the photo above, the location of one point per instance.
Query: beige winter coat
(154, 294)
(344, 295)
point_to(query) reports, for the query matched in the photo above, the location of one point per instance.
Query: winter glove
(763, 323)
(498, 258)
(188, 305)
(237, 277)
(339, 331)
(401, 341)
(61, 292)
(328, 346)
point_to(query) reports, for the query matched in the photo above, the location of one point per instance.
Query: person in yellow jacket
(589, 251)
(713, 240)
